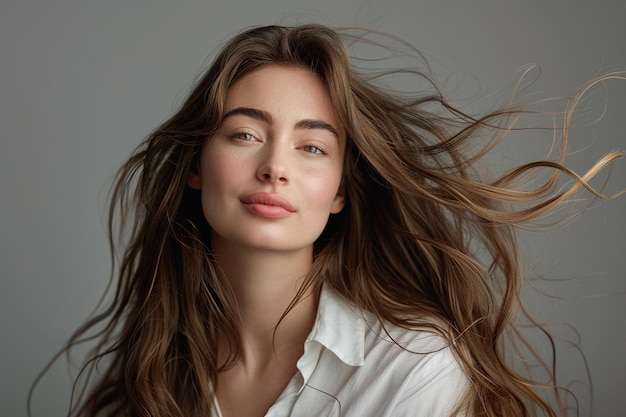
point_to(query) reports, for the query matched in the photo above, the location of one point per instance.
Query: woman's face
(270, 176)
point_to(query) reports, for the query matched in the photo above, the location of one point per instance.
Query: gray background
(83, 81)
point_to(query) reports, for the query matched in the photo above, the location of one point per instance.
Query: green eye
(313, 149)
(245, 136)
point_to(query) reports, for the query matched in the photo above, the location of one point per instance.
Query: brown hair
(422, 239)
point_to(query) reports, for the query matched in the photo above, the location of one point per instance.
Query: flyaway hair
(424, 240)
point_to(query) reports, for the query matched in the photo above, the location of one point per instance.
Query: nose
(273, 165)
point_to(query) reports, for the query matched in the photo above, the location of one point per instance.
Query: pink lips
(267, 205)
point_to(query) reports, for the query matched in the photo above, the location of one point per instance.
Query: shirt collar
(340, 327)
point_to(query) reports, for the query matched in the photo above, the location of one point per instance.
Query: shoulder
(425, 372)
(419, 365)
(376, 368)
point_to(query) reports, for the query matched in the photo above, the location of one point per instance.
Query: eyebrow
(267, 118)
(250, 112)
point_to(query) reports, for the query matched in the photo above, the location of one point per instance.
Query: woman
(299, 242)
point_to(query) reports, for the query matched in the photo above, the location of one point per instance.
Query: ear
(194, 180)
(340, 200)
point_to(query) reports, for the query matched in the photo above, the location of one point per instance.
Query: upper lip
(269, 199)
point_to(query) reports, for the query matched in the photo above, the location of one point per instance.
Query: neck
(264, 284)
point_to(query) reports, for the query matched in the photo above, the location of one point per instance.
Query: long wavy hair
(422, 240)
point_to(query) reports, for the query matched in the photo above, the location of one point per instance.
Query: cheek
(323, 191)
(218, 179)
(218, 172)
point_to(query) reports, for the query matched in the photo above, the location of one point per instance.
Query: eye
(244, 136)
(314, 149)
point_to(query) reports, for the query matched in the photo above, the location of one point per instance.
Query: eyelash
(319, 149)
(242, 136)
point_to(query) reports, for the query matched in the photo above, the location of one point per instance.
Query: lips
(267, 205)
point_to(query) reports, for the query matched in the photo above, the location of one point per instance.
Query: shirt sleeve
(434, 388)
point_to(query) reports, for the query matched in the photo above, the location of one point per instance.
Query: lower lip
(267, 211)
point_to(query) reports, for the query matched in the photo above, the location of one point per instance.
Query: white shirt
(351, 368)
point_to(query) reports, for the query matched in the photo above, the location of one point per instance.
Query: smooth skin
(270, 178)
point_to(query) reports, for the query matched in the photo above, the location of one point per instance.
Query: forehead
(285, 91)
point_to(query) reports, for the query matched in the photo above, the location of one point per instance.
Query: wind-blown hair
(422, 240)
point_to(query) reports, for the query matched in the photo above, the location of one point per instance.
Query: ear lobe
(194, 181)
(339, 202)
